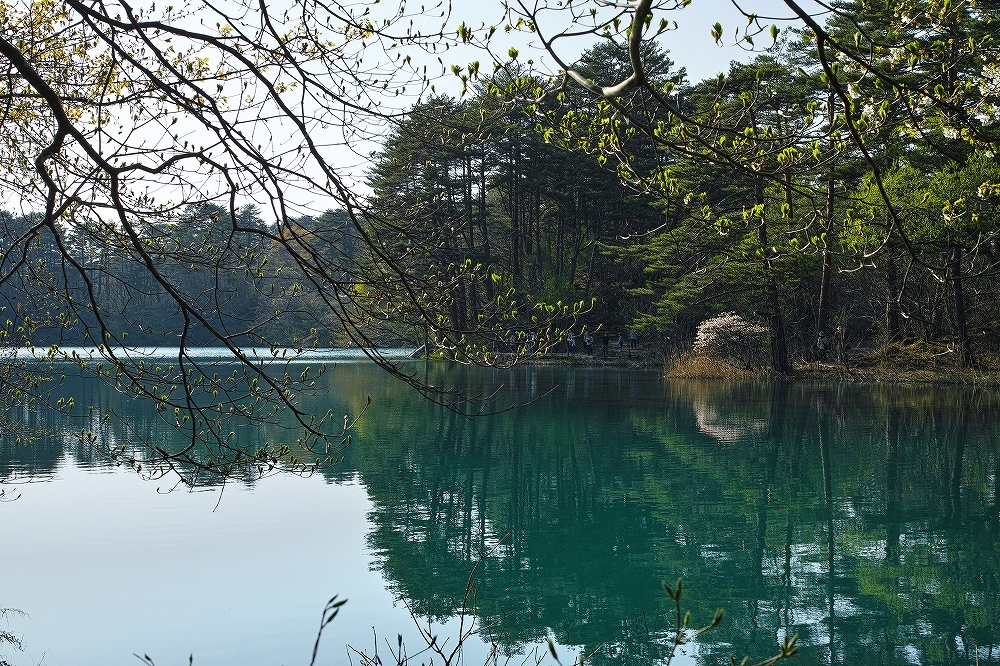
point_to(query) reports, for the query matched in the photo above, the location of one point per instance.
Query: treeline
(478, 180)
(232, 272)
(844, 177)
(799, 190)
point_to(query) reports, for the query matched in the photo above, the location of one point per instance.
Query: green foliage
(803, 182)
(558, 290)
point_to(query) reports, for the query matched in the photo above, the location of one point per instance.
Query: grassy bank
(908, 362)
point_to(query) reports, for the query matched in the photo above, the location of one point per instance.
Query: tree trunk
(776, 321)
(892, 318)
(823, 314)
(961, 327)
(516, 202)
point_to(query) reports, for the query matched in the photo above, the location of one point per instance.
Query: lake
(864, 519)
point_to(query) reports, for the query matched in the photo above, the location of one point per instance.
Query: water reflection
(864, 519)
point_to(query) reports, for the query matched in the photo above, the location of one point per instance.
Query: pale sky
(350, 145)
(691, 45)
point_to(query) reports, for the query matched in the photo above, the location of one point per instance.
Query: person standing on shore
(838, 344)
(821, 345)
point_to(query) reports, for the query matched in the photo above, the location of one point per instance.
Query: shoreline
(639, 358)
(917, 363)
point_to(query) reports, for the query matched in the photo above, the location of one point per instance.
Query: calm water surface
(863, 519)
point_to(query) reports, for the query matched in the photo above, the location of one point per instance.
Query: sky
(691, 45)
(351, 147)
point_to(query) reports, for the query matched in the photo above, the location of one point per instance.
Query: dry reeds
(691, 365)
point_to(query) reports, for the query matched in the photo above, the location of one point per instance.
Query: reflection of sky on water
(603, 494)
(208, 354)
(106, 565)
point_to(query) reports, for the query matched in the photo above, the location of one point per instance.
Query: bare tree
(135, 138)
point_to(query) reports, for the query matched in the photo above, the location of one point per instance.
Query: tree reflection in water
(862, 518)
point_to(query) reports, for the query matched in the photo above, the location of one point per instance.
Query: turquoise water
(863, 519)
